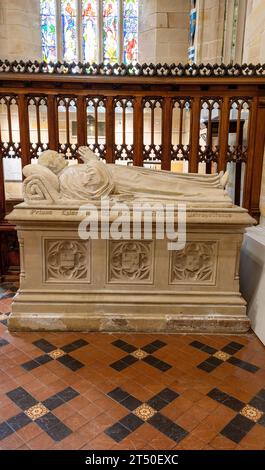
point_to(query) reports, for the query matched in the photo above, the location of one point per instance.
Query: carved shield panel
(130, 262)
(196, 263)
(67, 260)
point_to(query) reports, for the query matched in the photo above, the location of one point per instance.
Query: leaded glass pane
(130, 30)
(69, 30)
(89, 30)
(110, 31)
(48, 30)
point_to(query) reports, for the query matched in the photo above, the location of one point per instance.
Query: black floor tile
(261, 394)
(206, 367)
(208, 349)
(44, 359)
(243, 423)
(18, 421)
(163, 366)
(3, 342)
(168, 395)
(67, 394)
(117, 432)
(70, 362)
(233, 433)
(131, 403)
(218, 395)
(236, 346)
(234, 404)
(214, 361)
(119, 365)
(157, 403)
(53, 402)
(131, 422)
(79, 343)
(118, 394)
(258, 403)
(44, 345)
(5, 431)
(48, 421)
(59, 432)
(243, 365)
(21, 398)
(175, 432)
(124, 346)
(129, 360)
(30, 365)
(160, 422)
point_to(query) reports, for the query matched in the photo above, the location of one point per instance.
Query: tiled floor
(116, 391)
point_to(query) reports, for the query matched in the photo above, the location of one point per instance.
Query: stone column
(164, 31)
(210, 34)
(20, 34)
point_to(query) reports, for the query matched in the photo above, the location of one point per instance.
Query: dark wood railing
(207, 116)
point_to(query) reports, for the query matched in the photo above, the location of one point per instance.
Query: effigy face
(120, 276)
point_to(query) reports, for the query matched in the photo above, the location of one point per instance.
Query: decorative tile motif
(139, 354)
(57, 354)
(222, 355)
(226, 354)
(251, 413)
(145, 412)
(196, 263)
(67, 260)
(130, 262)
(38, 413)
(248, 414)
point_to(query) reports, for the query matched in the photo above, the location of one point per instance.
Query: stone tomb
(68, 283)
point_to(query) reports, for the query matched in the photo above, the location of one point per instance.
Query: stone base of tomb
(70, 284)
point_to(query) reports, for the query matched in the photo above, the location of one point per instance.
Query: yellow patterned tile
(251, 413)
(223, 356)
(139, 354)
(37, 411)
(144, 412)
(56, 353)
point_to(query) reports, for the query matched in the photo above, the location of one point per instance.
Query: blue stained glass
(48, 30)
(130, 26)
(69, 29)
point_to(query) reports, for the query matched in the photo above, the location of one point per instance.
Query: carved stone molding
(67, 260)
(130, 262)
(196, 263)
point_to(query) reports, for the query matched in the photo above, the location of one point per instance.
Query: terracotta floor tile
(11, 442)
(222, 443)
(41, 442)
(89, 414)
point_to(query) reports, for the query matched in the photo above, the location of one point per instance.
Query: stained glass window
(69, 30)
(130, 30)
(89, 31)
(48, 30)
(110, 31)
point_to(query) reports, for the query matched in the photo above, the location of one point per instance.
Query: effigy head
(53, 160)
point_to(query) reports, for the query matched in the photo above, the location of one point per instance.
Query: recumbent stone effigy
(132, 284)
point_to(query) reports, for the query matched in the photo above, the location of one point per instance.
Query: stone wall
(20, 36)
(210, 33)
(164, 31)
